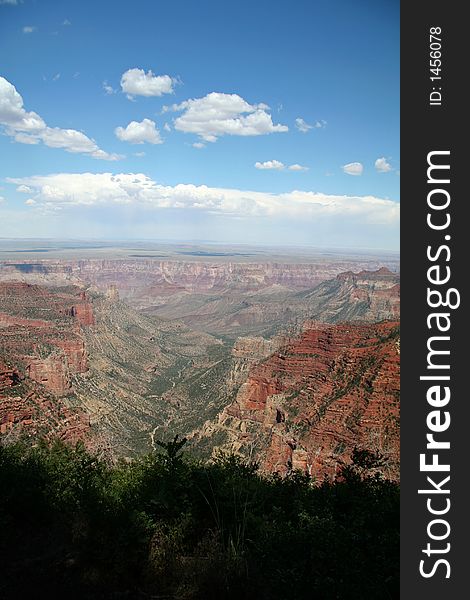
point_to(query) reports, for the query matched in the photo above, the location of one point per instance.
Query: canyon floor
(290, 359)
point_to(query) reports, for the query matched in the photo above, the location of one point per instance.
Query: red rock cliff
(27, 409)
(311, 402)
(41, 332)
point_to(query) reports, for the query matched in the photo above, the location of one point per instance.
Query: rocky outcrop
(83, 311)
(247, 352)
(41, 330)
(27, 410)
(311, 402)
(42, 348)
(30, 304)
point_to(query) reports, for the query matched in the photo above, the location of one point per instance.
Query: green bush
(169, 526)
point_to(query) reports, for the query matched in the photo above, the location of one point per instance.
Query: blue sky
(250, 122)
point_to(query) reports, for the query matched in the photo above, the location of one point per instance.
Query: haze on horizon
(273, 125)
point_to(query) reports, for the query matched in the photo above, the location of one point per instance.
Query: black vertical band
(433, 120)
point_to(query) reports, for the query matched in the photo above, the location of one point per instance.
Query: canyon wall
(307, 406)
(41, 348)
(143, 278)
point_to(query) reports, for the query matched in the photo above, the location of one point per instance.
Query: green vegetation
(168, 526)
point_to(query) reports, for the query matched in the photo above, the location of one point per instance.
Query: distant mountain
(366, 296)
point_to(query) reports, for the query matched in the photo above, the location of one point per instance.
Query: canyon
(290, 364)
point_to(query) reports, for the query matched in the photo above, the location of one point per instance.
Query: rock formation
(307, 406)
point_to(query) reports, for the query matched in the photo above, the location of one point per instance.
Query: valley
(289, 364)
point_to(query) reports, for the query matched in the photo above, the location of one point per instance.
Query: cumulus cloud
(297, 167)
(270, 164)
(279, 166)
(66, 190)
(354, 168)
(136, 82)
(304, 127)
(139, 133)
(27, 127)
(199, 145)
(24, 189)
(382, 165)
(220, 114)
(29, 28)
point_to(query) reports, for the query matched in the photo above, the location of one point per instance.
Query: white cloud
(66, 22)
(199, 145)
(69, 139)
(354, 168)
(66, 190)
(139, 133)
(305, 127)
(270, 164)
(166, 127)
(382, 166)
(12, 113)
(220, 114)
(29, 28)
(56, 77)
(136, 82)
(24, 189)
(14, 2)
(24, 138)
(2, 199)
(108, 89)
(139, 154)
(30, 202)
(279, 166)
(29, 128)
(302, 125)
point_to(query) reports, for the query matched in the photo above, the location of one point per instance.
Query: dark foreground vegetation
(169, 527)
